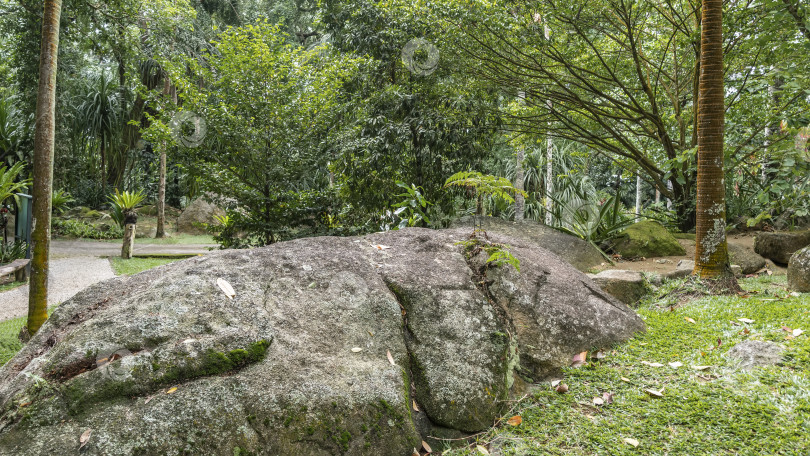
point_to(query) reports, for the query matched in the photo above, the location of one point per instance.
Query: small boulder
(748, 260)
(798, 273)
(626, 286)
(778, 247)
(755, 353)
(573, 250)
(646, 239)
(683, 269)
(196, 214)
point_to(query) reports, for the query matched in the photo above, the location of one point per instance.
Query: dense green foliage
(301, 117)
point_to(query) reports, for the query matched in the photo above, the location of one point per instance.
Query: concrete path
(77, 264)
(74, 248)
(67, 277)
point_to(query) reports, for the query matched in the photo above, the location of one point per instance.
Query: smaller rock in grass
(755, 353)
(798, 272)
(626, 286)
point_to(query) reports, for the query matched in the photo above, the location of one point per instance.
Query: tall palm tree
(44, 132)
(100, 115)
(711, 252)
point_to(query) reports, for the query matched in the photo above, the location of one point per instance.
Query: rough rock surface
(646, 239)
(683, 269)
(574, 250)
(323, 350)
(755, 353)
(626, 286)
(778, 247)
(195, 214)
(798, 272)
(748, 260)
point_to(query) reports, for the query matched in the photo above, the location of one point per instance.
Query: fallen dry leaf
(415, 407)
(415, 452)
(390, 358)
(579, 359)
(652, 364)
(675, 365)
(561, 388)
(356, 349)
(226, 288)
(787, 329)
(482, 450)
(148, 399)
(625, 379)
(608, 398)
(598, 401)
(426, 447)
(797, 332)
(689, 320)
(630, 441)
(515, 420)
(746, 331)
(655, 393)
(171, 390)
(84, 438)
(599, 355)
(745, 320)
(555, 382)
(381, 247)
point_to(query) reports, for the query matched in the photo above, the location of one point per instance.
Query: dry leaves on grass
(579, 359)
(515, 420)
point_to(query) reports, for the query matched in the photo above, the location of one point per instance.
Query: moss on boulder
(646, 239)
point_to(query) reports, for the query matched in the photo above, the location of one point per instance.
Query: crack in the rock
(408, 336)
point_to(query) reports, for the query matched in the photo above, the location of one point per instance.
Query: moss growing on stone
(647, 239)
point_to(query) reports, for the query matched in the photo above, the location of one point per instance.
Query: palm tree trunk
(43, 166)
(711, 250)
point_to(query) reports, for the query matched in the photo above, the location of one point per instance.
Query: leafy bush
(10, 251)
(409, 212)
(8, 186)
(82, 229)
(60, 201)
(122, 203)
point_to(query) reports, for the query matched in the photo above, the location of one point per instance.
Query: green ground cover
(715, 411)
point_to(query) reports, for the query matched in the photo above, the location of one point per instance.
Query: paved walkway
(74, 248)
(75, 265)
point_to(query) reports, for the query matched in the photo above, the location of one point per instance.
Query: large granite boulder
(326, 346)
(646, 239)
(574, 250)
(196, 215)
(798, 273)
(748, 260)
(778, 247)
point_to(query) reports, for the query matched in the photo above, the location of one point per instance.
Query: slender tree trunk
(638, 197)
(711, 250)
(161, 202)
(549, 157)
(43, 166)
(520, 203)
(160, 232)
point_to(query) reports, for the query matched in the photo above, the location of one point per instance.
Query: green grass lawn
(136, 265)
(717, 411)
(11, 286)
